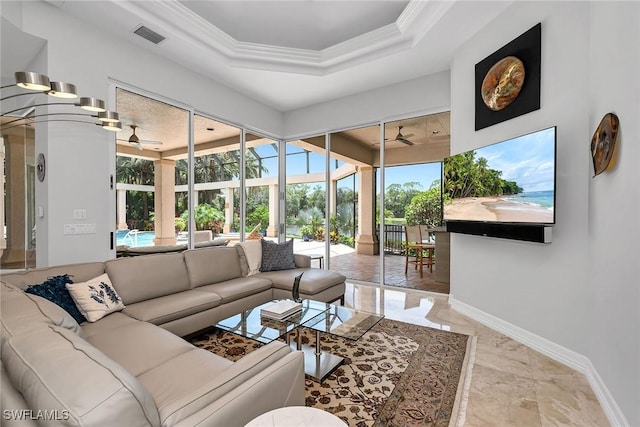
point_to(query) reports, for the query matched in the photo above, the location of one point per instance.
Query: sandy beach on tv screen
(496, 209)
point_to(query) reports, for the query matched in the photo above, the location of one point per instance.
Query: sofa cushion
(235, 289)
(55, 290)
(23, 313)
(277, 256)
(140, 346)
(178, 386)
(95, 298)
(146, 277)
(83, 384)
(77, 272)
(170, 307)
(212, 265)
(11, 399)
(313, 281)
(195, 379)
(107, 323)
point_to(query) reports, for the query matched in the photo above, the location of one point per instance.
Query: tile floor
(512, 385)
(366, 268)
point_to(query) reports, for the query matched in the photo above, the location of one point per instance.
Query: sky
(528, 160)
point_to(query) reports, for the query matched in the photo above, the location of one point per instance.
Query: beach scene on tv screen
(511, 181)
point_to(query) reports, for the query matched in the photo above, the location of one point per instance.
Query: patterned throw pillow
(277, 256)
(96, 298)
(55, 290)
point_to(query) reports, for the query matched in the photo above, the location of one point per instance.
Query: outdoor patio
(366, 268)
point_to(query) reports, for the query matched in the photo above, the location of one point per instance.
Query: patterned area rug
(397, 374)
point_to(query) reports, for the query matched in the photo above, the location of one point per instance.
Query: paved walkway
(366, 268)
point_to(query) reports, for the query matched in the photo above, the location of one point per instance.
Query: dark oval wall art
(502, 83)
(604, 142)
(501, 91)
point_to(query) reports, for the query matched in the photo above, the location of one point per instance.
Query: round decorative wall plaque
(502, 83)
(604, 142)
(41, 167)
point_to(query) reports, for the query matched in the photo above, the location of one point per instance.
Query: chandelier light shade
(92, 104)
(108, 120)
(112, 126)
(109, 116)
(32, 81)
(63, 90)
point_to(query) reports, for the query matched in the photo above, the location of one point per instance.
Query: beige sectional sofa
(131, 367)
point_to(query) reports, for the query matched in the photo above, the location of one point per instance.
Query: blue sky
(527, 160)
(425, 174)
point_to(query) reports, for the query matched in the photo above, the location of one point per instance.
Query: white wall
(541, 288)
(428, 94)
(614, 235)
(580, 293)
(80, 157)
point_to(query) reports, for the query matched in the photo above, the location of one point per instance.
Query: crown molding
(177, 22)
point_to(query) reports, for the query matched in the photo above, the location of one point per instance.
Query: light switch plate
(74, 229)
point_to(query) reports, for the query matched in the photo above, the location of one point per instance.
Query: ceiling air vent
(148, 34)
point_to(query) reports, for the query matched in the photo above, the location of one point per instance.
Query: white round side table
(296, 416)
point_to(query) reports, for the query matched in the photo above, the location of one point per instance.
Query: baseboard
(550, 349)
(608, 403)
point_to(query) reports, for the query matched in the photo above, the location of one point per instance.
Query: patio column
(333, 194)
(228, 209)
(272, 229)
(122, 209)
(164, 202)
(366, 240)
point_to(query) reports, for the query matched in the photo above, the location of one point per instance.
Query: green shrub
(306, 230)
(206, 217)
(180, 224)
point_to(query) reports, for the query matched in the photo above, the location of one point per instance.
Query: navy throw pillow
(55, 290)
(277, 256)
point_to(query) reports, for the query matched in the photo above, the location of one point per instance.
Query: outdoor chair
(415, 242)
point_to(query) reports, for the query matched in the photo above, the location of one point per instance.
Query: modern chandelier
(37, 82)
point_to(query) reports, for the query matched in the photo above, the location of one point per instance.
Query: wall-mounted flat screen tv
(512, 181)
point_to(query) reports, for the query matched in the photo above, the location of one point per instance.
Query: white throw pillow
(95, 298)
(253, 252)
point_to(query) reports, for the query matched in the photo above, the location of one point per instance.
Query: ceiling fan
(403, 138)
(134, 140)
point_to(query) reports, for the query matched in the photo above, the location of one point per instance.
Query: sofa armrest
(275, 360)
(302, 261)
(282, 384)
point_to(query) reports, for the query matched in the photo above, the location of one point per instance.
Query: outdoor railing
(393, 238)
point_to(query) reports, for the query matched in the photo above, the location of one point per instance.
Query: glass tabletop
(343, 321)
(251, 324)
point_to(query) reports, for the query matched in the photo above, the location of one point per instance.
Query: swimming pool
(135, 238)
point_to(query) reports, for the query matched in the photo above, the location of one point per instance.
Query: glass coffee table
(322, 317)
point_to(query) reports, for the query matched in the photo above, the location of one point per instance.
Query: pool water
(134, 238)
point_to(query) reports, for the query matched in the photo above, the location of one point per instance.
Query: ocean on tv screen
(510, 181)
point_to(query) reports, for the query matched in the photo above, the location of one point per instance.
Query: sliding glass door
(261, 185)
(305, 194)
(151, 171)
(413, 152)
(216, 189)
